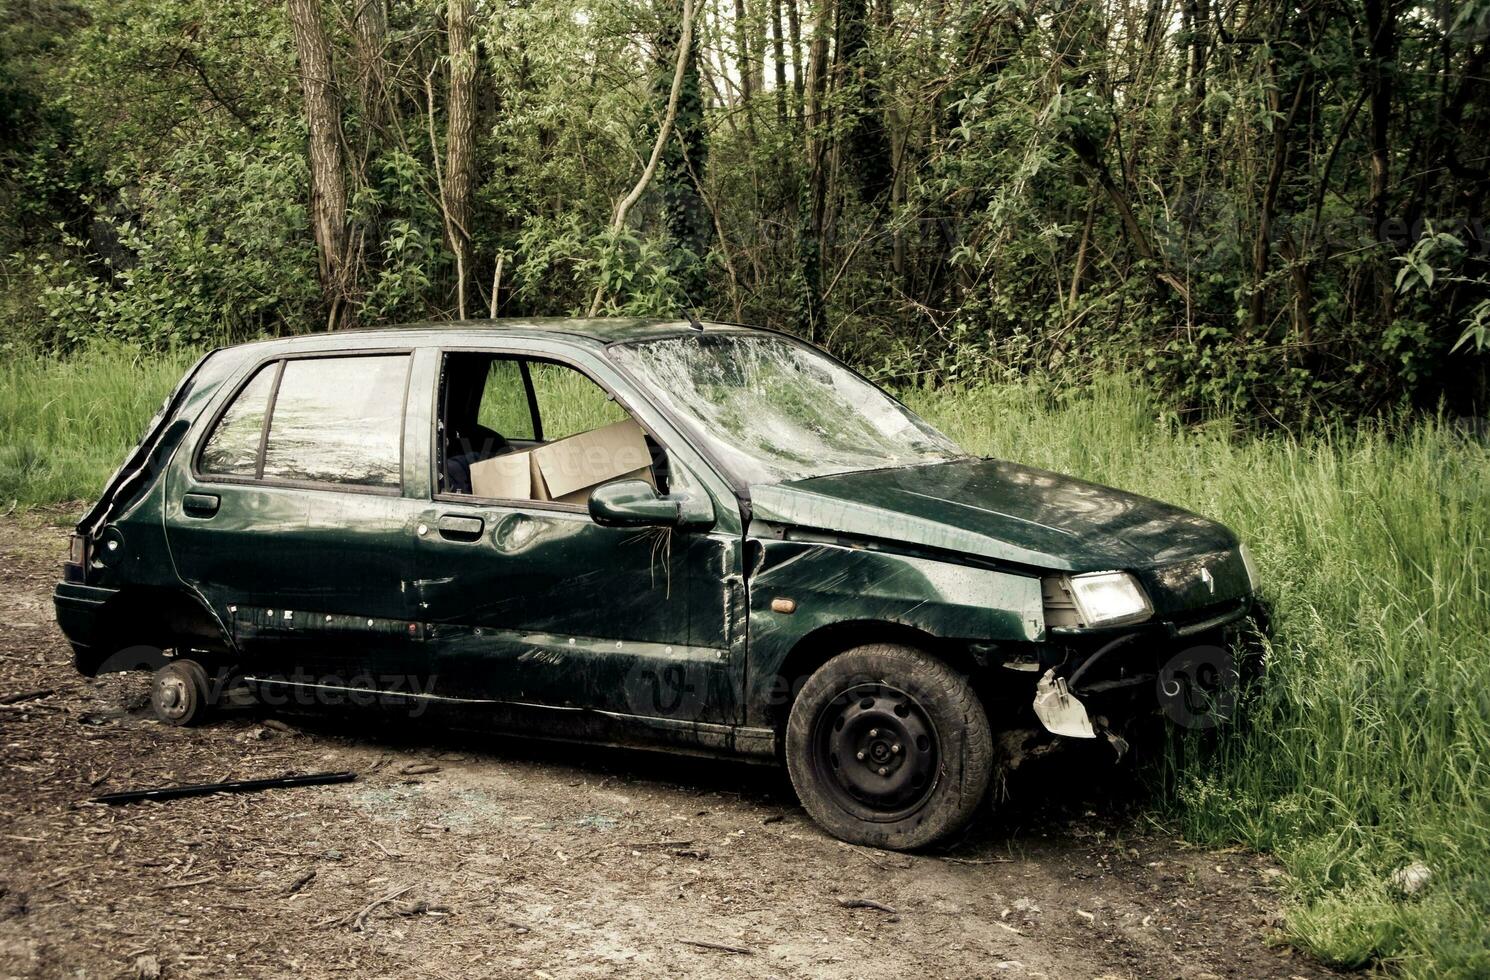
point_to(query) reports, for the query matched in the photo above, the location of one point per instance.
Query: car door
(531, 602)
(288, 517)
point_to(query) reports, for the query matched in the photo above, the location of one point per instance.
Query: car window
(569, 402)
(504, 401)
(339, 420)
(233, 447)
(487, 445)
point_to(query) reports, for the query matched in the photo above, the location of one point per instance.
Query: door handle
(200, 504)
(458, 528)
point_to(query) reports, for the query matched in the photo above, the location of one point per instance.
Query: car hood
(997, 510)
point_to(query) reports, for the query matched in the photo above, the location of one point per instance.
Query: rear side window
(233, 449)
(336, 420)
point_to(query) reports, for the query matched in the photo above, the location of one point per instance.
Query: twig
(957, 860)
(189, 884)
(301, 882)
(387, 853)
(359, 921)
(719, 947)
(865, 903)
(421, 907)
(20, 696)
(870, 857)
(496, 282)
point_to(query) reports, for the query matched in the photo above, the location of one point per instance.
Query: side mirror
(636, 503)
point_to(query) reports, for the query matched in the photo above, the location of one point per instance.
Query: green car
(701, 537)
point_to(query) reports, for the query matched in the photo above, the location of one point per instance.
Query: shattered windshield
(772, 410)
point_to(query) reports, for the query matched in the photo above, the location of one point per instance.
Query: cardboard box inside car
(566, 470)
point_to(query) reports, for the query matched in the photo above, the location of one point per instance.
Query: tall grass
(1370, 747)
(65, 425)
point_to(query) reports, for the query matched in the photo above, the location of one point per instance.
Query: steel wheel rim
(876, 750)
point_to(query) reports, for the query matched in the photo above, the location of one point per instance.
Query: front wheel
(890, 747)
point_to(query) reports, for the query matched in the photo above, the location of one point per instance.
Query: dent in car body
(835, 584)
(997, 510)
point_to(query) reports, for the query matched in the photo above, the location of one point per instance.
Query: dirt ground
(499, 857)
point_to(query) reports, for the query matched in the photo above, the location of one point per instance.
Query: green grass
(1370, 746)
(67, 424)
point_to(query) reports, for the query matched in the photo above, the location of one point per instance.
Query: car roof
(594, 332)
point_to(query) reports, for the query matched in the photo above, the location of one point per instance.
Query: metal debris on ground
(235, 786)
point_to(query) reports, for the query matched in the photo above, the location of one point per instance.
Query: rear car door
(530, 602)
(288, 517)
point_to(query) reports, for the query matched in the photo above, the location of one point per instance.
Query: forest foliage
(1275, 208)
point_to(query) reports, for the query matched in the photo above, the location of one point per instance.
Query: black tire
(179, 693)
(890, 747)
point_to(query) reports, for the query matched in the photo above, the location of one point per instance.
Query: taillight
(77, 550)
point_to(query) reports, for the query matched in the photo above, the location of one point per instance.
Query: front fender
(826, 584)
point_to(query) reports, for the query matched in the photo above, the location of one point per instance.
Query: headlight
(1105, 598)
(1253, 581)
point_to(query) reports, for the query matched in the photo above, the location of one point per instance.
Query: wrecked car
(692, 536)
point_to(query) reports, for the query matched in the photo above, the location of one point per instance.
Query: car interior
(493, 406)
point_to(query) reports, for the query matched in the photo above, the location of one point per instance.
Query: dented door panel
(546, 607)
(313, 583)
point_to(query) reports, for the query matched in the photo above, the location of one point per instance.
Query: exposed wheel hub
(171, 697)
(880, 749)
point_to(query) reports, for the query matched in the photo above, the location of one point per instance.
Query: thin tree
(664, 132)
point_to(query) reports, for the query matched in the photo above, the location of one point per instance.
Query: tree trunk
(745, 58)
(1381, 25)
(370, 25)
(328, 185)
(868, 149)
(1267, 208)
(794, 24)
(684, 159)
(778, 59)
(814, 215)
(460, 141)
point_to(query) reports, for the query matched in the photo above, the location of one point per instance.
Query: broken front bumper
(1191, 670)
